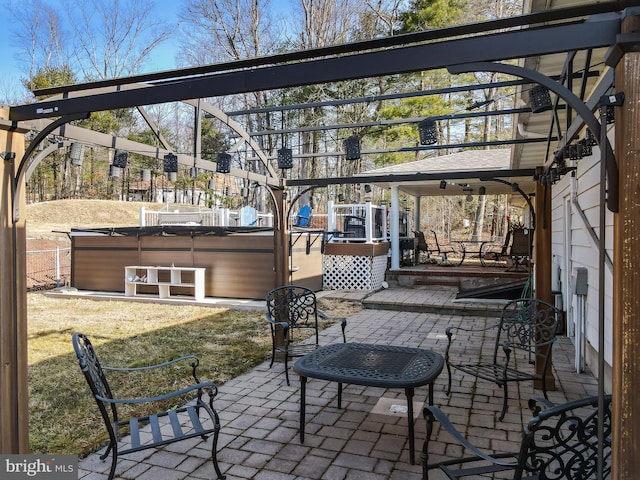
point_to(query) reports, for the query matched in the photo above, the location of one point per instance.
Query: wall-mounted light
(223, 163)
(120, 158)
(443, 184)
(285, 158)
(170, 163)
(352, 148)
(76, 153)
(540, 99)
(428, 131)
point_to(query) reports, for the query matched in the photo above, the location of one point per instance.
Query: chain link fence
(48, 268)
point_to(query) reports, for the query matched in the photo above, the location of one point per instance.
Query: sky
(163, 58)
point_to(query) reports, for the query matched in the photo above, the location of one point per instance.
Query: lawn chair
(303, 219)
(172, 423)
(520, 252)
(495, 252)
(559, 442)
(527, 326)
(291, 311)
(443, 250)
(422, 246)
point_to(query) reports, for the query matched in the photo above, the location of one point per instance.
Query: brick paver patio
(367, 438)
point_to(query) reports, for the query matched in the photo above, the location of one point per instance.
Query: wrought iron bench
(527, 326)
(559, 442)
(193, 419)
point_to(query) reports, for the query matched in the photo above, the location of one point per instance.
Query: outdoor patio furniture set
(514, 253)
(559, 442)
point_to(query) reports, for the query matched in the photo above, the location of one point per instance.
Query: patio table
(473, 246)
(384, 366)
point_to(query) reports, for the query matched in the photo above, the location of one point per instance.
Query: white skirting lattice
(349, 272)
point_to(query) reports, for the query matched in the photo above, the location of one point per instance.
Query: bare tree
(113, 38)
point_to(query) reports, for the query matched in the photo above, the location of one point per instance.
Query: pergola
(586, 55)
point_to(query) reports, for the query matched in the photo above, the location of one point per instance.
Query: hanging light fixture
(285, 158)
(540, 99)
(172, 176)
(212, 185)
(76, 153)
(170, 163)
(120, 158)
(114, 172)
(482, 190)
(145, 174)
(352, 148)
(428, 131)
(223, 163)
(443, 184)
(193, 171)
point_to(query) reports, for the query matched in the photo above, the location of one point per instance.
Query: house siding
(582, 191)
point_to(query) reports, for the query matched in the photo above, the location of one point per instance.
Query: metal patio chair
(168, 423)
(524, 335)
(422, 246)
(494, 253)
(521, 248)
(444, 250)
(291, 311)
(559, 442)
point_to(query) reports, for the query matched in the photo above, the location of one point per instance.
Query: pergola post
(542, 263)
(626, 280)
(14, 406)
(282, 263)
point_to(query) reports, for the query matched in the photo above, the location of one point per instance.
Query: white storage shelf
(146, 275)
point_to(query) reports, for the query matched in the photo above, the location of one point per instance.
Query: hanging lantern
(540, 99)
(170, 163)
(76, 154)
(212, 185)
(352, 148)
(285, 158)
(114, 172)
(146, 175)
(172, 176)
(223, 163)
(120, 159)
(428, 132)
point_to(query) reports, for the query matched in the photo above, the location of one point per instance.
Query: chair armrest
(284, 325)
(152, 367)
(342, 320)
(537, 404)
(210, 387)
(432, 414)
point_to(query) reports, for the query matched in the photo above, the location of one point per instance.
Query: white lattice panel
(349, 272)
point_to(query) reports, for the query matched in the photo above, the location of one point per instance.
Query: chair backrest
(435, 238)
(354, 225)
(294, 305)
(521, 243)
(527, 324)
(562, 442)
(93, 373)
(422, 242)
(505, 246)
(303, 219)
(248, 216)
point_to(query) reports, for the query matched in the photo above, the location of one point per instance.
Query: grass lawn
(63, 416)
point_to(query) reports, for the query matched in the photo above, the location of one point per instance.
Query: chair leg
(504, 401)
(114, 461)
(286, 368)
(449, 379)
(214, 447)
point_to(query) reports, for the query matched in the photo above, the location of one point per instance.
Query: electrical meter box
(580, 283)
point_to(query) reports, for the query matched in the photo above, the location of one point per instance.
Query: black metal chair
(521, 247)
(422, 246)
(171, 424)
(443, 250)
(525, 334)
(292, 310)
(559, 442)
(493, 252)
